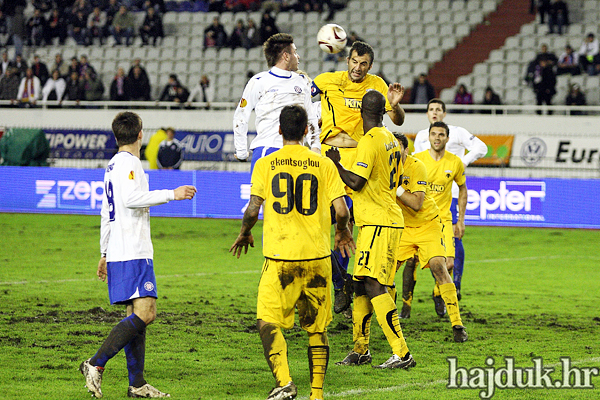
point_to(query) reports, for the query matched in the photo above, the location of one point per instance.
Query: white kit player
(267, 93)
(126, 257)
(459, 142)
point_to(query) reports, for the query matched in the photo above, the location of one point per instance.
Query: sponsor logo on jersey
(421, 182)
(149, 286)
(362, 164)
(131, 175)
(353, 103)
(298, 89)
(243, 103)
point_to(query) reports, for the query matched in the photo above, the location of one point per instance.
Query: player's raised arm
(394, 96)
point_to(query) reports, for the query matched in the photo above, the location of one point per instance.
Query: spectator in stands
(576, 98)
(74, 90)
(82, 5)
(43, 5)
(152, 27)
(462, 96)
(4, 63)
(558, 16)
(9, 85)
(160, 4)
(544, 83)
(95, 26)
(588, 54)
(169, 92)
(119, 88)
(267, 27)
(544, 54)
(74, 67)
(182, 95)
(56, 27)
(61, 65)
(122, 26)
(139, 85)
(14, 10)
(92, 86)
(216, 5)
(55, 87)
(78, 29)
(40, 70)
(36, 25)
(203, 91)
(568, 62)
(30, 89)
(138, 63)
(84, 66)
(241, 5)
(111, 10)
(251, 35)
(170, 152)
(353, 37)
(215, 35)
(543, 7)
(20, 65)
(236, 39)
(422, 91)
(490, 98)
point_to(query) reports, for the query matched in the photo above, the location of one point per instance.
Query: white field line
(418, 385)
(256, 271)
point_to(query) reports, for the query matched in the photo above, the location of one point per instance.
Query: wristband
(400, 191)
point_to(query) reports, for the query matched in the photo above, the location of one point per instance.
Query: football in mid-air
(331, 38)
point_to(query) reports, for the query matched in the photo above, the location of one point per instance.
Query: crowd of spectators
(244, 34)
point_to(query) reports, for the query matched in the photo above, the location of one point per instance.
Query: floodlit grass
(526, 293)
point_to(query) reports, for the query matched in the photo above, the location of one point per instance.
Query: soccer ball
(331, 38)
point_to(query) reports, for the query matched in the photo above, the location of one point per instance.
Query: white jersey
(267, 93)
(460, 140)
(125, 216)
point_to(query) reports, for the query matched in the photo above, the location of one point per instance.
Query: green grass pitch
(526, 293)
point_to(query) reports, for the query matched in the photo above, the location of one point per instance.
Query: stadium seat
(480, 69)
(496, 56)
(447, 95)
(434, 55)
(167, 53)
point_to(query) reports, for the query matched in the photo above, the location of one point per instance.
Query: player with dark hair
(374, 177)
(267, 93)
(459, 143)
(126, 257)
(342, 127)
(296, 187)
(423, 232)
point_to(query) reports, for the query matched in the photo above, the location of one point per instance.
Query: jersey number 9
(293, 193)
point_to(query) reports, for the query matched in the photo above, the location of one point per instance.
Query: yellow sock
(436, 290)
(448, 292)
(318, 357)
(387, 316)
(275, 349)
(361, 320)
(393, 293)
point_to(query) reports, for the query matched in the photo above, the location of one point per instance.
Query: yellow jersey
(378, 160)
(341, 101)
(298, 187)
(414, 179)
(440, 175)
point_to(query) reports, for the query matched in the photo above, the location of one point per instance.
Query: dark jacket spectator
(120, 87)
(93, 87)
(576, 98)
(462, 96)
(137, 63)
(139, 85)
(236, 39)
(20, 65)
(74, 90)
(9, 84)
(36, 26)
(422, 91)
(251, 35)
(490, 98)
(56, 27)
(40, 70)
(544, 83)
(169, 92)
(215, 35)
(267, 27)
(152, 27)
(558, 16)
(78, 29)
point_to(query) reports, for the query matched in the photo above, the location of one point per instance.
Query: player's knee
(359, 289)
(439, 271)
(450, 264)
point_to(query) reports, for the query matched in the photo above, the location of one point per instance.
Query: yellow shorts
(448, 238)
(377, 253)
(348, 156)
(427, 241)
(286, 284)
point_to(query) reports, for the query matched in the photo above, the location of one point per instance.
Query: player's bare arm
(412, 200)
(352, 180)
(185, 192)
(101, 273)
(394, 96)
(245, 237)
(459, 228)
(343, 241)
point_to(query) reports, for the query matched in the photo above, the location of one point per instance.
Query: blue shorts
(128, 280)
(259, 153)
(454, 210)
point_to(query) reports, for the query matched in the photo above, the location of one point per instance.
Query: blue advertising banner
(559, 203)
(81, 144)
